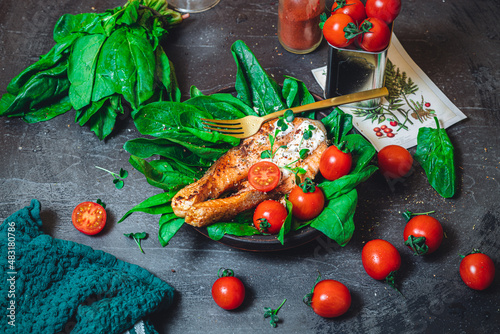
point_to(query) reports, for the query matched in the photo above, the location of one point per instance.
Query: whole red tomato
(269, 216)
(308, 200)
(228, 291)
(354, 8)
(376, 35)
(477, 270)
(423, 234)
(380, 259)
(334, 163)
(339, 30)
(330, 298)
(386, 10)
(394, 161)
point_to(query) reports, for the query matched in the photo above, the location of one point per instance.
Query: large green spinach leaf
(435, 153)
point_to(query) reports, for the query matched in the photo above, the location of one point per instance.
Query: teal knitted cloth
(50, 285)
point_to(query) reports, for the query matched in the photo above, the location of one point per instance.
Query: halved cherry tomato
(269, 216)
(89, 218)
(354, 8)
(264, 176)
(334, 163)
(307, 204)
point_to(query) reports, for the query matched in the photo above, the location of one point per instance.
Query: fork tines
(223, 126)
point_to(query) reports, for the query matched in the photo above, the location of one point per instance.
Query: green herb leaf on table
(273, 314)
(435, 153)
(137, 238)
(118, 178)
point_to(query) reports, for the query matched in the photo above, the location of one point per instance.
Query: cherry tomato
(269, 216)
(330, 298)
(383, 127)
(390, 135)
(334, 163)
(335, 28)
(423, 234)
(307, 205)
(387, 130)
(228, 291)
(379, 134)
(380, 259)
(89, 218)
(394, 161)
(477, 271)
(393, 123)
(385, 10)
(354, 8)
(376, 129)
(264, 176)
(376, 36)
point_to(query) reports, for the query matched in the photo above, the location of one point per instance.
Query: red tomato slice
(264, 176)
(89, 218)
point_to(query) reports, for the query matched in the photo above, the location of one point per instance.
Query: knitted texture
(54, 285)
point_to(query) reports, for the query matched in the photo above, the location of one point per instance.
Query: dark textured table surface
(456, 43)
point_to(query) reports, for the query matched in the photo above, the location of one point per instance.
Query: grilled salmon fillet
(224, 191)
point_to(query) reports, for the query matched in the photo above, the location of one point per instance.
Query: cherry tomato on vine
(385, 10)
(380, 259)
(394, 161)
(394, 123)
(264, 176)
(308, 200)
(354, 8)
(339, 30)
(269, 216)
(376, 35)
(477, 270)
(89, 218)
(330, 298)
(228, 291)
(423, 234)
(334, 163)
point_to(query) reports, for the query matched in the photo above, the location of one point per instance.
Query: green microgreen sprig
(273, 314)
(137, 238)
(118, 178)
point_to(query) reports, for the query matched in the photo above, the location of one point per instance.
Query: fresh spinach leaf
(217, 230)
(81, 68)
(287, 225)
(45, 113)
(156, 204)
(296, 94)
(435, 153)
(169, 225)
(337, 125)
(254, 86)
(337, 219)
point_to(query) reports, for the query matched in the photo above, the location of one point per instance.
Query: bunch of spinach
(187, 151)
(435, 153)
(99, 59)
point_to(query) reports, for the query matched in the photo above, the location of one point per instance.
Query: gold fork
(249, 125)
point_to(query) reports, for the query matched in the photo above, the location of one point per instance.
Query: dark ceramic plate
(268, 243)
